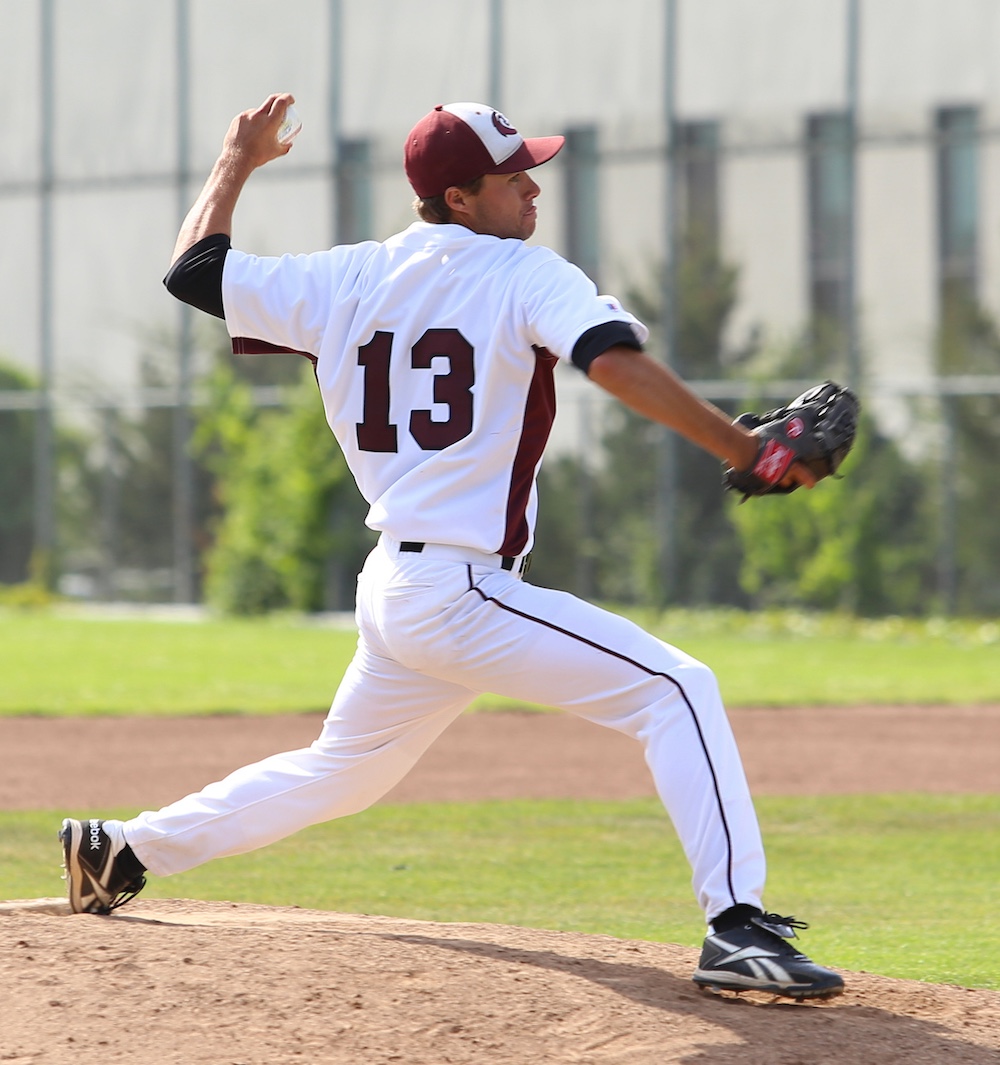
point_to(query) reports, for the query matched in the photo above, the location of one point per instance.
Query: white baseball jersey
(409, 336)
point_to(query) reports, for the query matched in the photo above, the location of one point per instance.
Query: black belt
(506, 561)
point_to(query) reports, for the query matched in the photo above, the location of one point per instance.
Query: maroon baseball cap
(457, 143)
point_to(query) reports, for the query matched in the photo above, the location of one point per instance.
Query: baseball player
(434, 353)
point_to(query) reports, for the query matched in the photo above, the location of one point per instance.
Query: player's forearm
(653, 390)
(213, 211)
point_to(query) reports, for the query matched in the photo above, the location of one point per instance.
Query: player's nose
(532, 189)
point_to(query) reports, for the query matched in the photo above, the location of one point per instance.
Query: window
(582, 215)
(828, 143)
(698, 184)
(354, 192)
(957, 203)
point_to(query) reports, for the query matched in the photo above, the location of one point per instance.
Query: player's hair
(435, 209)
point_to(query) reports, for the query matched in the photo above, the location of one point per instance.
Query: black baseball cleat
(97, 880)
(755, 957)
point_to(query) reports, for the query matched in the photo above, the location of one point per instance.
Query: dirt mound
(224, 984)
(147, 762)
(220, 984)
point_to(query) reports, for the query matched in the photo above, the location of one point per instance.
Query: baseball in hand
(290, 127)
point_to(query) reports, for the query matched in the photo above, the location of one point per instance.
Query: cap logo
(502, 126)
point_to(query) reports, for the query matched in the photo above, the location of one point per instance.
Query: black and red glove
(816, 429)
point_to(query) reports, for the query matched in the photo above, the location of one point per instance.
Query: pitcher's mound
(204, 983)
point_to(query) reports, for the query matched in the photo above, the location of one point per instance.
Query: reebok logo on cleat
(746, 953)
(95, 881)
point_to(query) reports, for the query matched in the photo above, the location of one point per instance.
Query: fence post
(495, 64)
(667, 481)
(948, 551)
(183, 501)
(850, 311)
(43, 560)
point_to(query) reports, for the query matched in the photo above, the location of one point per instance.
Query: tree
(20, 560)
(620, 503)
(968, 343)
(17, 486)
(281, 485)
(857, 542)
(120, 530)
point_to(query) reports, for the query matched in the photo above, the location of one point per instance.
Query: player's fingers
(254, 132)
(799, 475)
(278, 103)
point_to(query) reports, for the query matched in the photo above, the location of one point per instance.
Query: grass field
(902, 885)
(905, 886)
(53, 664)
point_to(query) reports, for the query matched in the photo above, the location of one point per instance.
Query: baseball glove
(816, 429)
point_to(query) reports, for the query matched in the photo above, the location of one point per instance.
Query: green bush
(280, 478)
(17, 485)
(858, 542)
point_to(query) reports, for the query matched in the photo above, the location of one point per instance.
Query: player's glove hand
(816, 429)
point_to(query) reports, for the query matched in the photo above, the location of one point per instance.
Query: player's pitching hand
(253, 135)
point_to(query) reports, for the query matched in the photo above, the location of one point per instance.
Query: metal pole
(333, 570)
(109, 505)
(947, 559)
(334, 107)
(667, 482)
(586, 552)
(850, 309)
(669, 292)
(45, 533)
(495, 89)
(183, 480)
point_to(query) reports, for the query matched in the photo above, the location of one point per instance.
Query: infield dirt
(223, 984)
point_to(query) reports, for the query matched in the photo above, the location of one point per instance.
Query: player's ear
(456, 200)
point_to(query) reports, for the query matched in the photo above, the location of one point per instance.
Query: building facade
(121, 108)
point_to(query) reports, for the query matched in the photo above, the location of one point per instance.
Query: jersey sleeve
(561, 305)
(196, 277)
(285, 303)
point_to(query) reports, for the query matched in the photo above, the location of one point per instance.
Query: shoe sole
(71, 837)
(71, 865)
(769, 989)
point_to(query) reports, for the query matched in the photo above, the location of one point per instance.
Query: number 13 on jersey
(453, 389)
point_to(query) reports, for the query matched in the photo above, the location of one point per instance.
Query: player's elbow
(613, 366)
(195, 277)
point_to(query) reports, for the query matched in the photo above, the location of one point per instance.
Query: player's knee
(697, 682)
(687, 672)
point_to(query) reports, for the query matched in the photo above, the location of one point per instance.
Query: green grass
(902, 885)
(60, 665)
(906, 886)
(55, 664)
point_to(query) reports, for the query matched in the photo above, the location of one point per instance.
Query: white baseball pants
(433, 633)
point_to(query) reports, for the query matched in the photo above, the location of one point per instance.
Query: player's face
(504, 206)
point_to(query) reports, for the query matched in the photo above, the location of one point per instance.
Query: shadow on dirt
(842, 1030)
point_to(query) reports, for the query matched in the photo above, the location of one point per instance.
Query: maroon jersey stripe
(539, 413)
(250, 346)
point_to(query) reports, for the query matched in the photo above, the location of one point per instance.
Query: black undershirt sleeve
(596, 340)
(196, 277)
